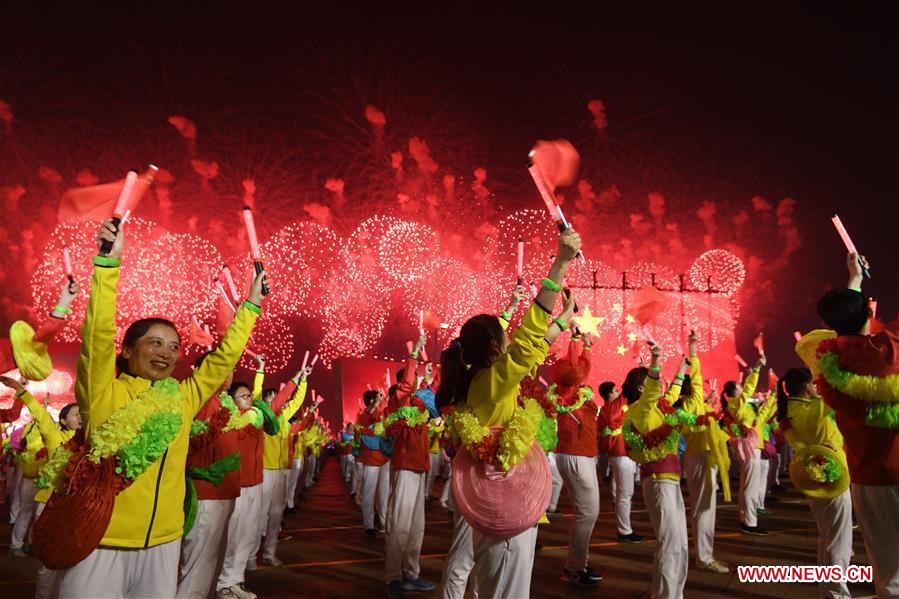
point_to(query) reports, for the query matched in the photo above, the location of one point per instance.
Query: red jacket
(364, 424)
(410, 445)
(577, 431)
(221, 447)
(611, 417)
(250, 443)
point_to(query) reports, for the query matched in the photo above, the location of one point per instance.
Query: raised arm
(96, 371)
(292, 406)
(767, 410)
(856, 265)
(505, 317)
(739, 407)
(406, 387)
(259, 378)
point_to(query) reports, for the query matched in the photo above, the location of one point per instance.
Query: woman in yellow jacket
(746, 429)
(652, 431)
(481, 375)
(706, 456)
(138, 554)
(805, 420)
(53, 437)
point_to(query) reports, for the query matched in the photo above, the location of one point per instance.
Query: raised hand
(256, 296)
(108, 232)
(569, 245)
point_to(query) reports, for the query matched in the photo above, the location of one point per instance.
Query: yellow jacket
(712, 440)
(743, 414)
(645, 415)
(811, 423)
(52, 435)
(150, 511)
(276, 448)
(493, 394)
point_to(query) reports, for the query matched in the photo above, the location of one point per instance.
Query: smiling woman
(126, 489)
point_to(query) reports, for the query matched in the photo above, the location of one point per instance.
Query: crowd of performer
(148, 486)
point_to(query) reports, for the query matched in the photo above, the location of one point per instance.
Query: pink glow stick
(314, 361)
(221, 290)
(230, 280)
(872, 306)
(759, 343)
(388, 379)
(121, 204)
(126, 216)
(424, 354)
(797, 335)
(542, 381)
(409, 347)
(520, 265)
(368, 386)
(421, 322)
(741, 361)
(305, 360)
(251, 234)
(249, 352)
(67, 261)
(850, 247)
(548, 199)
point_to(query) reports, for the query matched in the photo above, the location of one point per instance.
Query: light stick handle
(106, 246)
(230, 280)
(847, 241)
(305, 360)
(257, 266)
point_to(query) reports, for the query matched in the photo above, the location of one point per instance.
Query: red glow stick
(543, 382)
(742, 375)
(388, 378)
(254, 243)
(424, 354)
(67, 261)
(230, 280)
(121, 204)
(368, 386)
(249, 352)
(741, 361)
(221, 289)
(314, 360)
(872, 306)
(126, 216)
(421, 322)
(305, 360)
(520, 264)
(759, 343)
(850, 247)
(409, 347)
(797, 335)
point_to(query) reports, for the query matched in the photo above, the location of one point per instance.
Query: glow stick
(533, 290)
(221, 289)
(759, 343)
(797, 336)
(140, 188)
(847, 241)
(254, 243)
(314, 360)
(126, 216)
(249, 352)
(742, 375)
(542, 381)
(421, 322)
(714, 384)
(741, 361)
(67, 263)
(872, 306)
(368, 386)
(409, 347)
(424, 354)
(520, 265)
(388, 379)
(121, 204)
(230, 280)
(444, 325)
(305, 360)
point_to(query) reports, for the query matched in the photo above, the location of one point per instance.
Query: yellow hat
(32, 358)
(819, 472)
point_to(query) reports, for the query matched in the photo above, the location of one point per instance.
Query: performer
(809, 427)
(856, 372)
(140, 545)
(741, 423)
(347, 461)
(374, 486)
(576, 454)
(406, 421)
(705, 458)
(481, 373)
(275, 456)
(652, 430)
(624, 469)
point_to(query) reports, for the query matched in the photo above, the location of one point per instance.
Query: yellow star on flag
(631, 337)
(616, 307)
(588, 323)
(621, 350)
(630, 319)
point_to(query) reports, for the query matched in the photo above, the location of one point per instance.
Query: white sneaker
(714, 566)
(242, 592)
(272, 561)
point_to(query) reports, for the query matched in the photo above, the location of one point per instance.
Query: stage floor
(330, 557)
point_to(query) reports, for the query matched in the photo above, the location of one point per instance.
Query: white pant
(375, 494)
(243, 526)
(203, 549)
(774, 469)
(557, 482)
(292, 477)
(459, 564)
(750, 480)
(764, 469)
(357, 482)
(13, 477)
(579, 474)
(665, 505)
(504, 566)
(624, 473)
(311, 470)
(25, 492)
(702, 484)
(436, 467)
(834, 520)
(877, 512)
(47, 580)
(274, 484)
(447, 484)
(405, 525)
(347, 467)
(113, 573)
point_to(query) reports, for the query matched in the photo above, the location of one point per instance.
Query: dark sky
(778, 104)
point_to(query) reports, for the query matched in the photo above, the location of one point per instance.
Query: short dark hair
(65, 412)
(135, 331)
(844, 310)
(685, 387)
(605, 389)
(400, 374)
(630, 388)
(235, 385)
(472, 351)
(791, 384)
(369, 397)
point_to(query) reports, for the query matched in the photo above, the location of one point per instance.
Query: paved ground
(329, 556)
